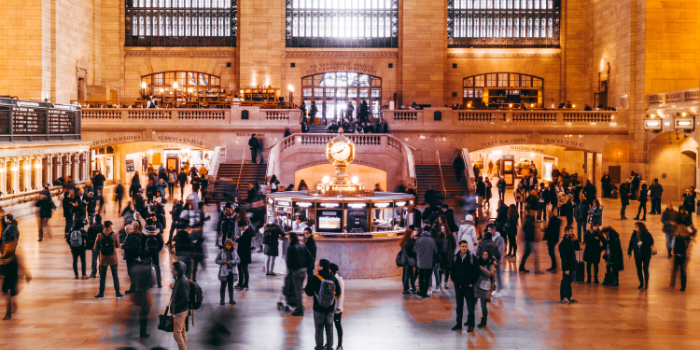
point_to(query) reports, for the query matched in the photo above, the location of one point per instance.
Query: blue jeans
(323, 321)
(580, 228)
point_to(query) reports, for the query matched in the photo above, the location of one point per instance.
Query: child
(338, 307)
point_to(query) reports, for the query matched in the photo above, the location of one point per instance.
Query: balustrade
(590, 117)
(102, 114)
(674, 97)
(201, 114)
(149, 114)
(276, 115)
(535, 117)
(405, 115)
(692, 95)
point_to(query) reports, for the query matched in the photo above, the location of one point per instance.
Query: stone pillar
(59, 167)
(66, 166)
(26, 172)
(48, 167)
(75, 169)
(38, 169)
(3, 176)
(87, 173)
(14, 175)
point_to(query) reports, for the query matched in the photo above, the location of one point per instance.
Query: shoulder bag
(166, 322)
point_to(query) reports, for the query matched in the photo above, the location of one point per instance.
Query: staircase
(251, 173)
(318, 129)
(427, 175)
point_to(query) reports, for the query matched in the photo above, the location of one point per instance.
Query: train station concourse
(349, 174)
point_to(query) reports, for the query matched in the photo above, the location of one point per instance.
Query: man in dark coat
(568, 265)
(46, 207)
(465, 273)
(656, 191)
(459, 166)
(624, 199)
(254, 146)
(529, 238)
(589, 192)
(310, 244)
(634, 182)
(551, 235)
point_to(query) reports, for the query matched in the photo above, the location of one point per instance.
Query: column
(48, 167)
(87, 175)
(26, 173)
(38, 172)
(14, 176)
(3, 177)
(67, 163)
(75, 166)
(59, 167)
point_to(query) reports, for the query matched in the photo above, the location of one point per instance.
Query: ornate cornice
(174, 53)
(344, 54)
(502, 55)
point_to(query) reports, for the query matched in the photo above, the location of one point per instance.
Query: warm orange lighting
(532, 105)
(174, 85)
(510, 105)
(143, 85)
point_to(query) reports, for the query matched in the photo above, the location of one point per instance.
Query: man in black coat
(551, 235)
(254, 146)
(310, 244)
(568, 265)
(46, 206)
(465, 273)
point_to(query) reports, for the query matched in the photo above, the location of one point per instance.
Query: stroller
(288, 299)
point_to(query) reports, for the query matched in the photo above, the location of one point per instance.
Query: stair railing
(238, 183)
(442, 179)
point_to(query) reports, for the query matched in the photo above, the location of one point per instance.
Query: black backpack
(107, 245)
(132, 247)
(195, 296)
(152, 245)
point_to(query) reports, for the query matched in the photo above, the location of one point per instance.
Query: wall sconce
(27, 167)
(37, 166)
(14, 168)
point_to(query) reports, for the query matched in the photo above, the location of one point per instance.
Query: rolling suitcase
(580, 273)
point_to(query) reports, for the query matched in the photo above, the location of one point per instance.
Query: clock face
(340, 151)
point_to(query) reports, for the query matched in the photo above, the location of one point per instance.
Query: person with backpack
(132, 249)
(180, 304)
(338, 315)
(107, 243)
(228, 272)
(153, 244)
(92, 233)
(77, 241)
(297, 260)
(245, 242)
(325, 289)
(271, 236)
(680, 243)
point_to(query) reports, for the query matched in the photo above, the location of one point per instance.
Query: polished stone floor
(59, 312)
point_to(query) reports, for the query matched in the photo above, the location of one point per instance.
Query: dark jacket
(529, 228)
(551, 233)
(92, 233)
(613, 252)
(581, 211)
(180, 298)
(298, 257)
(67, 204)
(314, 285)
(595, 244)
(567, 254)
(643, 252)
(668, 218)
(624, 194)
(10, 233)
(272, 235)
(46, 207)
(511, 226)
(487, 244)
(183, 243)
(98, 180)
(465, 272)
(643, 196)
(244, 243)
(566, 209)
(311, 246)
(589, 191)
(85, 238)
(656, 190)
(532, 202)
(425, 249)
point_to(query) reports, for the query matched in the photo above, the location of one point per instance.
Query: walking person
(656, 191)
(338, 315)
(668, 219)
(92, 232)
(153, 244)
(67, 204)
(459, 166)
(501, 184)
(551, 235)
(408, 278)
(182, 180)
(325, 289)
(529, 238)
(118, 196)
(680, 243)
(520, 194)
(172, 179)
(228, 272)
(613, 257)
(500, 243)
(12, 272)
(465, 274)
(180, 304)
(271, 243)
(595, 244)
(483, 284)
(107, 243)
(132, 249)
(244, 252)
(511, 228)
(643, 203)
(437, 236)
(77, 241)
(46, 207)
(567, 210)
(297, 260)
(567, 253)
(641, 243)
(141, 296)
(425, 250)
(624, 199)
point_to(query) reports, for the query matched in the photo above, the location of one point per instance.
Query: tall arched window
(180, 22)
(503, 23)
(333, 91)
(186, 82)
(503, 90)
(342, 23)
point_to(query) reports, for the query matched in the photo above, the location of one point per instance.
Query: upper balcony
(32, 121)
(679, 99)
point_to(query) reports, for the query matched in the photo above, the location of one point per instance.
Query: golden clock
(340, 151)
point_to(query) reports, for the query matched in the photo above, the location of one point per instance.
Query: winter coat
(613, 252)
(624, 194)
(643, 252)
(230, 256)
(511, 226)
(465, 272)
(245, 242)
(581, 211)
(490, 246)
(467, 232)
(668, 218)
(568, 254)
(107, 260)
(11, 233)
(595, 244)
(529, 228)
(272, 234)
(656, 190)
(425, 249)
(551, 233)
(484, 275)
(180, 298)
(46, 207)
(596, 215)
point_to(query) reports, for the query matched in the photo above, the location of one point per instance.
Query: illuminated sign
(303, 205)
(356, 205)
(28, 104)
(382, 205)
(329, 205)
(685, 124)
(282, 203)
(401, 204)
(652, 124)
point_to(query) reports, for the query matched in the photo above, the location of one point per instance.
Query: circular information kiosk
(357, 229)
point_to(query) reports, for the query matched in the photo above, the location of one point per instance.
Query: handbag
(166, 322)
(485, 285)
(653, 250)
(401, 258)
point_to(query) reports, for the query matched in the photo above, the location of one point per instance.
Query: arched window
(333, 91)
(511, 90)
(187, 82)
(342, 23)
(503, 23)
(170, 23)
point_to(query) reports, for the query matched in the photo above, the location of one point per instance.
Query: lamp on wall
(144, 86)
(291, 93)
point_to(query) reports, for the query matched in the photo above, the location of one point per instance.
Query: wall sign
(129, 165)
(335, 66)
(132, 138)
(503, 142)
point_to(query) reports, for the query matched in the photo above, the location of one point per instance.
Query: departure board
(29, 121)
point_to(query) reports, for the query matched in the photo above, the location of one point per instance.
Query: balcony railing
(234, 115)
(32, 121)
(674, 97)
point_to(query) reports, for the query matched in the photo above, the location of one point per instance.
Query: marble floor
(59, 312)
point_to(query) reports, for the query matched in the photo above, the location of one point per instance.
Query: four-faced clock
(340, 151)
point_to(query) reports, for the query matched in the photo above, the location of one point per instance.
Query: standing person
(605, 183)
(656, 191)
(229, 260)
(529, 231)
(487, 188)
(119, 195)
(310, 244)
(92, 233)
(175, 213)
(254, 146)
(184, 247)
(437, 236)
(46, 207)
(595, 213)
(689, 199)
(483, 284)
(297, 260)
(519, 195)
(634, 185)
(132, 249)
(567, 210)
(180, 304)
(459, 166)
(613, 257)
(325, 289)
(274, 184)
(135, 184)
(425, 250)
(182, 180)
(312, 113)
(172, 178)
(244, 252)
(542, 202)
(77, 241)
(595, 244)
(501, 188)
(643, 203)
(98, 181)
(581, 211)
(107, 243)
(67, 204)
(551, 235)
(511, 229)
(567, 249)
(408, 246)
(624, 199)
(271, 243)
(680, 243)
(338, 315)
(669, 219)
(589, 191)
(153, 244)
(641, 242)
(447, 253)
(465, 273)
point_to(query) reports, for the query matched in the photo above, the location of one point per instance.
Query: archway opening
(510, 90)
(333, 92)
(369, 176)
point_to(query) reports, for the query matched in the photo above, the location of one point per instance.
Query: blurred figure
(141, 292)
(46, 207)
(680, 243)
(12, 271)
(119, 195)
(180, 304)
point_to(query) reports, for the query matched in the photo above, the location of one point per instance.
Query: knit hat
(469, 217)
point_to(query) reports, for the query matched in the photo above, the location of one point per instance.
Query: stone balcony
(674, 99)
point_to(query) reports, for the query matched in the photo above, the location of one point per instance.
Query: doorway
(687, 174)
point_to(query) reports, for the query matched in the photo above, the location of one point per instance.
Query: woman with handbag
(229, 260)
(642, 243)
(407, 244)
(482, 289)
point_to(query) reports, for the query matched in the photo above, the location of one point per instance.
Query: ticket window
(382, 217)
